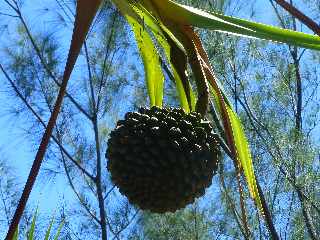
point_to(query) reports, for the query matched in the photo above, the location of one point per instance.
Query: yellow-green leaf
(243, 154)
(173, 50)
(153, 71)
(56, 237)
(186, 15)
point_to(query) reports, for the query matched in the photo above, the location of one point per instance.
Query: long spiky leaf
(46, 237)
(56, 237)
(153, 72)
(186, 15)
(174, 53)
(33, 226)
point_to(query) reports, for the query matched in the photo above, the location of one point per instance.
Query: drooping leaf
(234, 130)
(153, 72)
(170, 46)
(176, 56)
(244, 155)
(197, 68)
(85, 13)
(179, 63)
(235, 136)
(186, 15)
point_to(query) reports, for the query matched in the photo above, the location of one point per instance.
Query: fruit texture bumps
(162, 159)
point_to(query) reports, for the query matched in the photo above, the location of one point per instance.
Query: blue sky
(19, 151)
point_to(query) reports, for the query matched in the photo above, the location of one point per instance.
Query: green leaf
(33, 226)
(292, 36)
(244, 155)
(239, 139)
(59, 231)
(179, 66)
(49, 229)
(215, 97)
(186, 15)
(179, 63)
(174, 53)
(16, 234)
(153, 72)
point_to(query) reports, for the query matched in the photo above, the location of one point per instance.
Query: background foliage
(274, 89)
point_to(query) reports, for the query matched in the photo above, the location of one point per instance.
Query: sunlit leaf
(153, 72)
(33, 226)
(186, 15)
(46, 237)
(16, 234)
(56, 237)
(174, 54)
(244, 155)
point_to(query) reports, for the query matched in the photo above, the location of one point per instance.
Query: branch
(9, 15)
(230, 201)
(300, 16)
(85, 15)
(98, 152)
(127, 225)
(44, 63)
(24, 100)
(75, 191)
(108, 193)
(307, 218)
(105, 72)
(12, 6)
(93, 98)
(98, 178)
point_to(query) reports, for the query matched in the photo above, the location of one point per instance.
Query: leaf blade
(244, 155)
(174, 53)
(186, 15)
(49, 229)
(153, 72)
(59, 230)
(233, 127)
(33, 226)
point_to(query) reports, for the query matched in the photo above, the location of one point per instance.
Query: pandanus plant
(169, 26)
(31, 235)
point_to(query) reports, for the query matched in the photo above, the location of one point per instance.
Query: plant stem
(84, 17)
(37, 161)
(98, 183)
(268, 216)
(300, 16)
